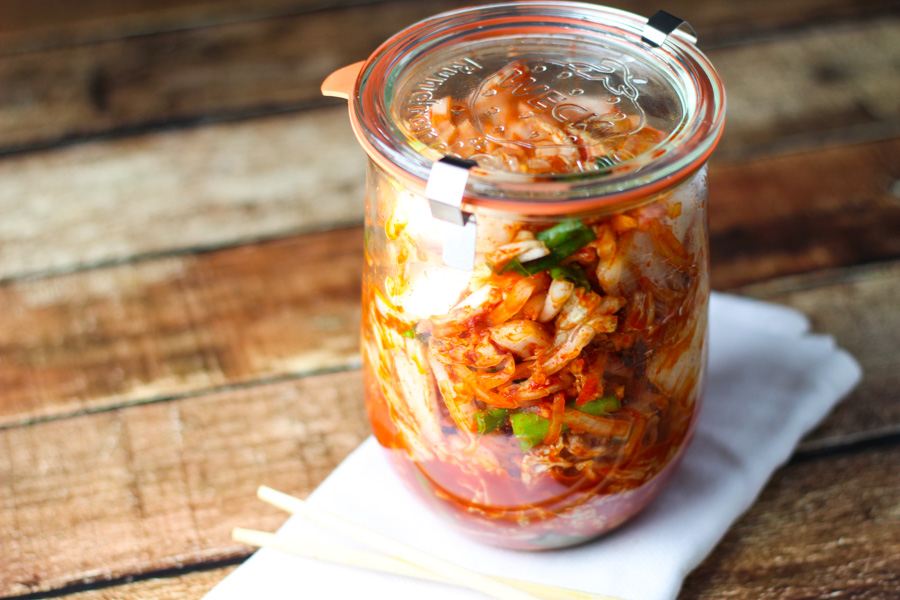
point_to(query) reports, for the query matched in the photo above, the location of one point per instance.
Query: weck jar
(535, 286)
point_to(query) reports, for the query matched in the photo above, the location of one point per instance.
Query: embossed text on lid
(534, 105)
(563, 105)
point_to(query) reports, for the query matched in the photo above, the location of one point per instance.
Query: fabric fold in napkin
(770, 382)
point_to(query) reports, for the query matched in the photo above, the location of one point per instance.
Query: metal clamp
(444, 190)
(660, 25)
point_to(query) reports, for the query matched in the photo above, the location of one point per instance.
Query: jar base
(533, 528)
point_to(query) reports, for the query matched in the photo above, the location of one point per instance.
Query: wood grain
(179, 278)
(779, 215)
(188, 189)
(161, 485)
(813, 533)
(827, 79)
(166, 480)
(243, 69)
(35, 24)
(146, 331)
(178, 325)
(842, 303)
(819, 84)
(237, 182)
(155, 486)
(809, 536)
(190, 586)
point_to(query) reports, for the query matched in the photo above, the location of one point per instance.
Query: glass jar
(535, 306)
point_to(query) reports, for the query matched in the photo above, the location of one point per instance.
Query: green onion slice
(572, 274)
(563, 240)
(490, 420)
(601, 406)
(529, 428)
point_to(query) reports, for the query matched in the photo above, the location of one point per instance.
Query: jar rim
(685, 152)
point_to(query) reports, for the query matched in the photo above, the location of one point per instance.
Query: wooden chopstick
(459, 575)
(387, 564)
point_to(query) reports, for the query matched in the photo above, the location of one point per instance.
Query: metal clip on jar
(536, 278)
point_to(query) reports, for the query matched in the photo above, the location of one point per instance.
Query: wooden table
(171, 183)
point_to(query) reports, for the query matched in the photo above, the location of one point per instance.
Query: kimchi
(543, 397)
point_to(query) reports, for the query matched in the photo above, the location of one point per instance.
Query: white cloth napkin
(770, 382)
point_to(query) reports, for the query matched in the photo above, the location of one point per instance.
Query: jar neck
(687, 148)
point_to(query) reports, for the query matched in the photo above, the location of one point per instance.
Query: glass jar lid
(562, 105)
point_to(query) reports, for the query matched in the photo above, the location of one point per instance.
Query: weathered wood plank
(812, 86)
(154, 486)
(180, 325)
(247, 68)
(36, 24)
(140, 453)
(157, 486)
(160, 479)
(236, 182)
(190, 586)
(780, 215)
(26, 26)
(188, 189)
(820, 529)
(788, 546)
(810, 536)
(175, 326)
(826, 79)
(843, 304)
